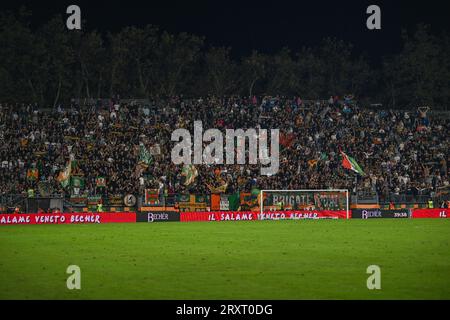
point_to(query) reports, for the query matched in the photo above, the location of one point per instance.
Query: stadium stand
(404, 154)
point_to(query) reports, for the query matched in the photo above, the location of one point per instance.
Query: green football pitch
(308, 259)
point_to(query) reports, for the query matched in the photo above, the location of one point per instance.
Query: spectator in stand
(401, 152)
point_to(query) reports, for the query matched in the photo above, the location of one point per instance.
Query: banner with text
(431, 213)
(68, 218)
(269, 215)
(377, 213)
(306, 200)
(155, 216)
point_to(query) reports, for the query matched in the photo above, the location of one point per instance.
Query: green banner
(183, 197)
(234, 201)
(77, 182)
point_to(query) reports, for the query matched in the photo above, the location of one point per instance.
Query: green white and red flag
(351, 164)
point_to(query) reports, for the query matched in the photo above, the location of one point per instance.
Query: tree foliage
(50, 65)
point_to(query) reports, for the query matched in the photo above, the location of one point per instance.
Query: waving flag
(32, 174)
(144, 161)
(312, 162)
(145, 158)
(220, 189)
(64, 176)
(190, 173)
(351, 164)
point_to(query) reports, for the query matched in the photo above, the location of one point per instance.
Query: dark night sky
(263, 25)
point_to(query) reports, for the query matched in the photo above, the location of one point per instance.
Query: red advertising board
(431, 213)
(270, 215)
(67, 218)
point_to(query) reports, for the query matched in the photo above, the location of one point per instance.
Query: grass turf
(309, 259)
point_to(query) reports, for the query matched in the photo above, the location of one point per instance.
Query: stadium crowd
(400, 152)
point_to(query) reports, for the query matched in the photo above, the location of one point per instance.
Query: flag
(190, 172)
(255, 199)
(312, 162)
(351, 164)
(234, 201)
(76, 171)
(145, 158)
(152, 196)
(222, 185)
(32, 174)
(323, 156)
(100, 182)
(64, 176)
(183, 197)
(255, 192)
(220, 189)
(77, 182)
